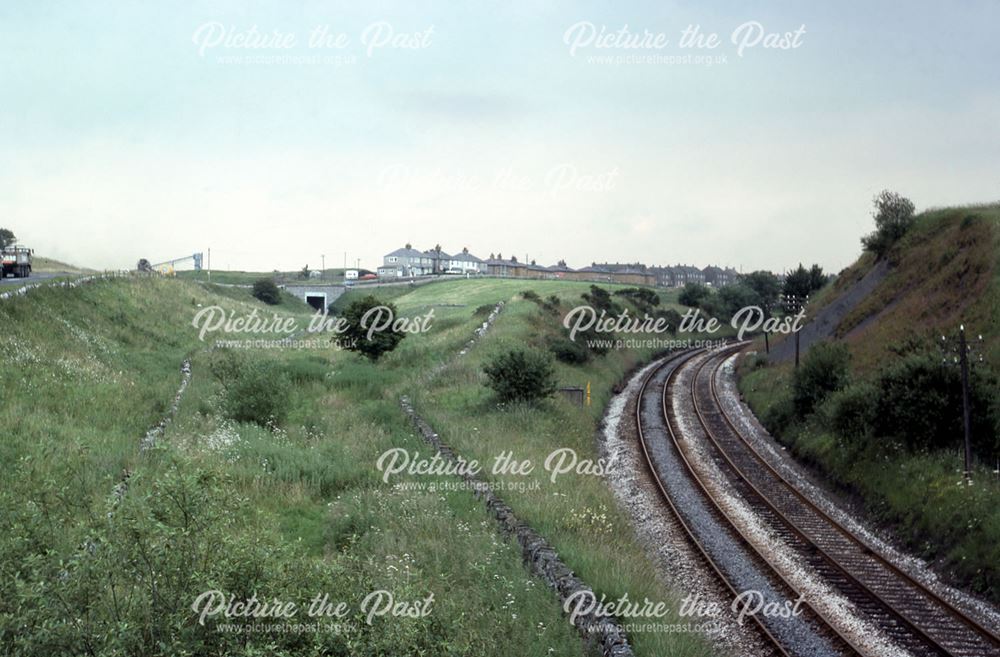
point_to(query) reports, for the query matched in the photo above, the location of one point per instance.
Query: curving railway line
(910, 615)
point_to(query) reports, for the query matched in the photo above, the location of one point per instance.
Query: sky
(277, 133)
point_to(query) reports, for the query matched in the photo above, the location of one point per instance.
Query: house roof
(466, 257)
(409, 252)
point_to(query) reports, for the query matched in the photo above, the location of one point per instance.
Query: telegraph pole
(964, 349)
(966, 411)
(793, 304)
(322, 272)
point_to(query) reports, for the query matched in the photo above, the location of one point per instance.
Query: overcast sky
(135, 130)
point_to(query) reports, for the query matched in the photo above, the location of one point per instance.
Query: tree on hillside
(6, 238)
(356, 337)
(817, 279)
(893, 217)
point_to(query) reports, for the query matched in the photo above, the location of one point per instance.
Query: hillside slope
(889, 429)
(942, 274)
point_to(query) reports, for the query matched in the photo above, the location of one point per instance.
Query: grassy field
(293, 508)
(944, 274)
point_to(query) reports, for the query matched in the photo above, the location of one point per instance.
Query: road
(35, 277)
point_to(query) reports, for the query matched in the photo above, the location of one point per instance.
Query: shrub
(254, 390)
(920, 402)
(521, 375)
(355, 337)
(568, 351)
(823, 371)
(484, 310)
(852, 410)
(600, 299)
(265, 290)
(531, 295)
(671, 316)
(642, 297)
(779, 417)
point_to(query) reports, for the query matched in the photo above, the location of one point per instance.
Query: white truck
(17, 261)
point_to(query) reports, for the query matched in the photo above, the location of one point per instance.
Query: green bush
(600, 299)
(265, 290)
(254, 390)
(521, 375)
(568, 351)
(852, 410)
(920, 402)
(643, 298)
(824, 370)
(780, 416)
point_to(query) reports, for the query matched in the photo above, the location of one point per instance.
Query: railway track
(911, 615)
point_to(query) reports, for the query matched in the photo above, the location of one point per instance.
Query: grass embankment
(944, 274)
(42, 264)
(235, 277)
(289, 510)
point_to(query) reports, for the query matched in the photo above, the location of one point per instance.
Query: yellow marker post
(588, 393)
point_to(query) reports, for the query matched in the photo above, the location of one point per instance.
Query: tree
(733, 297)
(798, 283)
(6, 238)
(802, 282)
(694, 294)
(521, 375)
(265, 290)
(817, 279)
(765, 287)
(356, 337)
(304, 273)
(893, 216)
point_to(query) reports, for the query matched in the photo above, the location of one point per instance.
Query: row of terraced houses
(408, 262)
